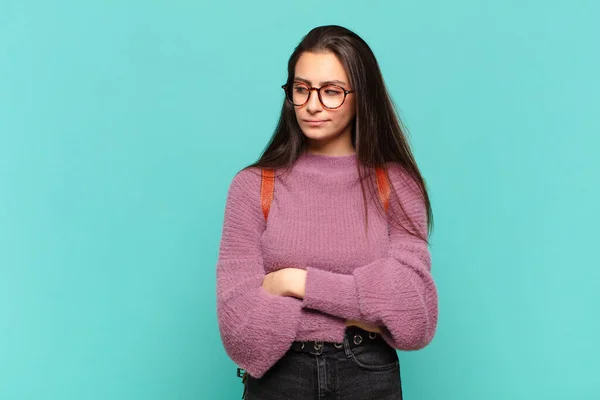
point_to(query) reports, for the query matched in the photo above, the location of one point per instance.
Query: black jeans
(364, 367)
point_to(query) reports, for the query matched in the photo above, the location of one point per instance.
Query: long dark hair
(378, 134)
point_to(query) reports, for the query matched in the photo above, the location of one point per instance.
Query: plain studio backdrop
(122, 124)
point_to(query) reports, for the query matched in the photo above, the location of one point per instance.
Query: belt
(353, 337)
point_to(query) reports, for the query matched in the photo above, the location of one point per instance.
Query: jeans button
(357, 339)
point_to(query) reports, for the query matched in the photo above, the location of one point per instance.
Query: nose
(314, 104)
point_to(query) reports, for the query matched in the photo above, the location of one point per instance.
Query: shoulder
(408, 199)
(247, 176)
(246, 181)
(244, 189)
(243, 198)
(403, 183)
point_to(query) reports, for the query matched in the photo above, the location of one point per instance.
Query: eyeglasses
(330, 96)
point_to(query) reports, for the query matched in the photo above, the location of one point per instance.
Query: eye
(300, 89)
(332, 91)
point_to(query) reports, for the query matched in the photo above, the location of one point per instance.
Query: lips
(315, 122)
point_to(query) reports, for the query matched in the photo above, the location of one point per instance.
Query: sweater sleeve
(396, 292)
(256, 328)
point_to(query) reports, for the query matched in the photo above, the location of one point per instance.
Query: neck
(339, 145)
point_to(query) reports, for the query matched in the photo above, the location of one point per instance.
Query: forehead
(320, 67)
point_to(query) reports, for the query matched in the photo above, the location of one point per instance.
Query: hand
(286, 282)
(363, 325)
(274, 284)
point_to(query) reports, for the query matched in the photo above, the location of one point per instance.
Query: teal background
(123, 122)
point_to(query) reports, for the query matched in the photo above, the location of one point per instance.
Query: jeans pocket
(375, 357)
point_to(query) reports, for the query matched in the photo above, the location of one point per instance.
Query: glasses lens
(299, 94)
(332, 96)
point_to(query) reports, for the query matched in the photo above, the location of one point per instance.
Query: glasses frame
(318, 89)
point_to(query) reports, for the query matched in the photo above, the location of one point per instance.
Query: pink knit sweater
(316, 222)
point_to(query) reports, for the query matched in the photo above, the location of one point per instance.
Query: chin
(317, 132)
(317, 135)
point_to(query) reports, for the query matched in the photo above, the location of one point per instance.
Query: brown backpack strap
(383, 187)
(267, 188)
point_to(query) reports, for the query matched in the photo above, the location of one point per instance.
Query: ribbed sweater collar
(319, 162)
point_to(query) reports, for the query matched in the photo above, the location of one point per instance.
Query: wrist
(294, 282)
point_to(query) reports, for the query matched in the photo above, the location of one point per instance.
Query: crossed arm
(291, 282)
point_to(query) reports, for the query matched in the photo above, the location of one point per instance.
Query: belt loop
(347, 346)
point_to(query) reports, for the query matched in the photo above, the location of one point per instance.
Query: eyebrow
(333, 82)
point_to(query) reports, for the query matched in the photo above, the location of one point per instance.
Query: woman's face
(332, 132)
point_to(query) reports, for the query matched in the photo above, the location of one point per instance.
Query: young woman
(324, 268)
